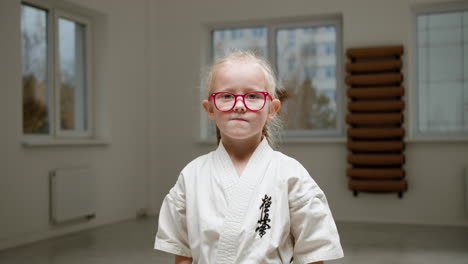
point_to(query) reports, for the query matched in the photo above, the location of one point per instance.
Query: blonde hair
(272, 127)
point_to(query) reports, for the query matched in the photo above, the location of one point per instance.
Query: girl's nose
(239, 105)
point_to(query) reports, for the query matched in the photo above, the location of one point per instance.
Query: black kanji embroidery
(262, 223)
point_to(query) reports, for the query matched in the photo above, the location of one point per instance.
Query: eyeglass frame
(266, 94)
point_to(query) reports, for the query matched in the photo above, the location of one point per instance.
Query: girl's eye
(226, 96)
(253, 96)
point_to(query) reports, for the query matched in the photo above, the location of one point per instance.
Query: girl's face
(240, 123)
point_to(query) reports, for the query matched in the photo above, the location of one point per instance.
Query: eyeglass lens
(226, 101)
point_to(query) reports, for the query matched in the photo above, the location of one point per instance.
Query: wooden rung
(374, 52)
(376, 92)
(373, 66)
(376, 133)
(375, 173)
(374, 79)
(376, 146)
(374, 119)
(378, 186)
(376, 106)
(376, 159)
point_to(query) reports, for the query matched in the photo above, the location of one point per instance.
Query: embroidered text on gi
(264, 216)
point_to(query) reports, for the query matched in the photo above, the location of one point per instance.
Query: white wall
(178, 40)
(121, 166)
(150, 53)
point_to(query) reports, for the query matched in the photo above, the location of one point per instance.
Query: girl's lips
(239, 119)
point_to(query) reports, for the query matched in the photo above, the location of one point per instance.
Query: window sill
(291, 140)
(436, 140)
(318, 140)
(27, 142)
(294, 140)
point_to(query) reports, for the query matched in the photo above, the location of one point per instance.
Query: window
(442, 73)
(226, 40)
(306, 56)
(56, 77)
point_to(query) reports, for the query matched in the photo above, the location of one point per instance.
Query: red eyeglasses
(253, 101)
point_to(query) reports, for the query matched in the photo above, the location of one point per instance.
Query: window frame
(88, 75)
(272, 26)
(414, 132)
(56, 134)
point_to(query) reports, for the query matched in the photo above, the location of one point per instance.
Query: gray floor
(131, 242)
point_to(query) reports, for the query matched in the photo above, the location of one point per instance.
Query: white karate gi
(274, 211)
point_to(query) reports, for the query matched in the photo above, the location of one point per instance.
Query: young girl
(245, 202)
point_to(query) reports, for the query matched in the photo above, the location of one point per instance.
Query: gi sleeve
(172, 236)
(313, 228)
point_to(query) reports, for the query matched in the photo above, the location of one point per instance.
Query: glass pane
(422, 22)
(423, 96)
(445, 20)
(306, 63)
(36, 92)
(445, 63)
(72, 63)
(465, 62)
(423, 38)
(422, 30)
(465, 30)
(465, 105)
(445, 36)
(423, 66)
(465, 74)
(228, 40)
(440, 108)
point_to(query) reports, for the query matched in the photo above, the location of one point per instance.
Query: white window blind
(442, 83)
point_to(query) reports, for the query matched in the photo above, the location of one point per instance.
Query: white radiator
(73, 194)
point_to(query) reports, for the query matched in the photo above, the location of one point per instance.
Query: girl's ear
(209, 109)
(276, 105)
